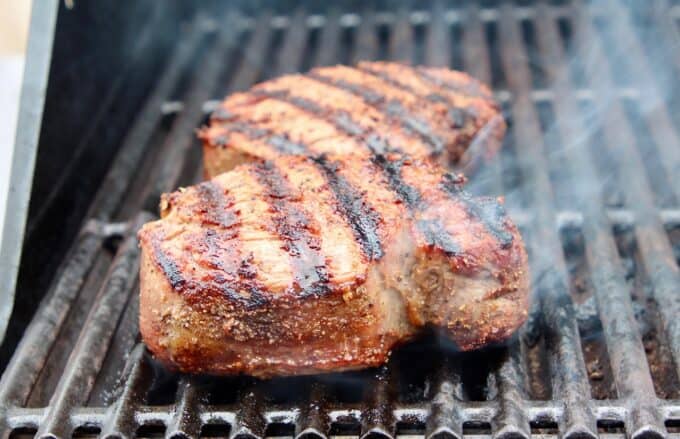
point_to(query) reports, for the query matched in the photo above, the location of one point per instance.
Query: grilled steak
(372, 108)
(301, 265)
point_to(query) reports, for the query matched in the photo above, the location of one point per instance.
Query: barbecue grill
(590, 170)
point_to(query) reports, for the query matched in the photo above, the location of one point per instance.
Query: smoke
(618, 57)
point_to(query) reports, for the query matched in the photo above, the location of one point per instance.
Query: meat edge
(491, 307)
(190, 337)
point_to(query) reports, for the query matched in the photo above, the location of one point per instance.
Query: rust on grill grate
(582, 366)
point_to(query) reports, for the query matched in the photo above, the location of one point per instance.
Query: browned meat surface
(374, 107)
(301, 265)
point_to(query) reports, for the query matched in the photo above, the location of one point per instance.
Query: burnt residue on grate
(599, 353)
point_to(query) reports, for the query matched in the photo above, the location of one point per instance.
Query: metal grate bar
(488, 14)
(475, 48)
(134, 145)
(511, 420)
(569, 377)
(438, 41)
(401, 39)
(327, 51)
(181, 137)
(252, 59)
(479, 412)
(365, 39)
(622, 218)
(377, 419)
(625, 348)
(292, 51)
(249, 421)
(31, 354)
(667, 24)
(476, 62)
(445, 419)
(186, 421)
(652, 241)
(313, 421)
(90, 350)
(655, 111)
(120, 420)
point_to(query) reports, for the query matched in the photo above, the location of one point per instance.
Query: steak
(300, 265)
(375, 107)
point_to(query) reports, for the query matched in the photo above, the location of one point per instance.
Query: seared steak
(375, 107)
(300, 265)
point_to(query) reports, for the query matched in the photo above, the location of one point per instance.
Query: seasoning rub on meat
(375, 107)
(300, 265)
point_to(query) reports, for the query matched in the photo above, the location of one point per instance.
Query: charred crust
(459, 117)
(168, 266)
(371, 97)
(436, 237)
(432, 231)
(250, 130)
(293, 226)
(245, 291)
(362, 219)
(339, 119)
(214, 205)
(280, 142)
(414, 124)
(283, 144)
(391, 168)
(247, 269)
(222, 115)
(391, 108)
(488, 211)
(379, 146)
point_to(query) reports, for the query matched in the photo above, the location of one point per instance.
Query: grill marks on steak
(351, 128)
(423, 112)
(296, 230)
(391, 106)
(324, 264)
(338, 237)
(362, 218)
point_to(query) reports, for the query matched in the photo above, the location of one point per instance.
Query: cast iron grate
(590, 171)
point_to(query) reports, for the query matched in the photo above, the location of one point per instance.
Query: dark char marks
(391, 168)
(432, 230)
(228, 285)
(436, 236)
(371, 97)
(230, 279)
(392, 108)
(169, 267)
(458, 116)
(487, 210)
(293, 226)
(215, 205)
(249, 129)
(362, 219)
(340, 119)
(395, 109)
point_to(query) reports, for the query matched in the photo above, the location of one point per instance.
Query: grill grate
(601, 351)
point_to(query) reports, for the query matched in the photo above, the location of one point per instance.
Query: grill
(589, 169)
